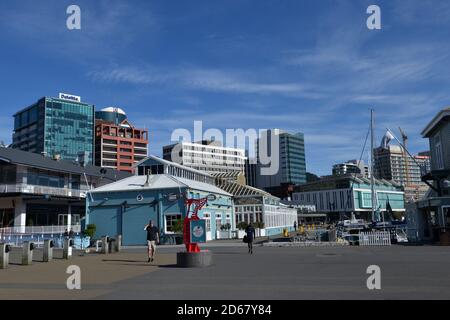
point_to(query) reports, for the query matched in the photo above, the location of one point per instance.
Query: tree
(178, 226)
(311, 177)
(90, 230)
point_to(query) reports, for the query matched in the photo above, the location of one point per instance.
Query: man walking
(250, 232)
(152, 239)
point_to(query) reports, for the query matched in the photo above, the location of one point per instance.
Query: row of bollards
(26, 252)
(109, 245)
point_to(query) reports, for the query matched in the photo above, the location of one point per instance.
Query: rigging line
(360, 158)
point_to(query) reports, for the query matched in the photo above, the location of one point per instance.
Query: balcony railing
(41, 190)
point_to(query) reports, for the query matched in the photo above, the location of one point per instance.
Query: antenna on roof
(147, 182)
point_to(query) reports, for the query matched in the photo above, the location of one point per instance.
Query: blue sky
(300, 65)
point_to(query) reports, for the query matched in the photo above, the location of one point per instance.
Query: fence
(17, 235)
(33, 230)
(379, 238)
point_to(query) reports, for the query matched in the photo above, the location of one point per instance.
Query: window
(171, 220)
(207, 218)
(366, 200)
(439, 161)
(218, 221)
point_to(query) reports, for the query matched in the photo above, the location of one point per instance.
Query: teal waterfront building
(341, 196)
(61, 128)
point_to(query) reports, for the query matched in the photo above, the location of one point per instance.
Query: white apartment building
(208, 156)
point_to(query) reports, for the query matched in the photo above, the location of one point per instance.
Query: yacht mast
(372, 172)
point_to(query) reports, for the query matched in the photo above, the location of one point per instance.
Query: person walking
(295, 226)
(152, 239)
(250, 233)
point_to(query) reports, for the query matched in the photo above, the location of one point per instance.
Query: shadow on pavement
(121, 260)
(170, 266)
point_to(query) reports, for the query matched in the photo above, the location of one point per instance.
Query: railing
(380, 238)
(32, 189)
(38, 230)
(17, 240)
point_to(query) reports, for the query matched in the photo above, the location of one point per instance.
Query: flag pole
(372, 179)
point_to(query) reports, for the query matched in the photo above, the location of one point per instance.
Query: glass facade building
(290, 156)
(56, 127)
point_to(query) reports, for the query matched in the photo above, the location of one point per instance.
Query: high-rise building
(207, 156)
(394, 164)
(351, 167)
(290, 157)
(118, 144)
(390, 165)
(56, 127)
(251, 172)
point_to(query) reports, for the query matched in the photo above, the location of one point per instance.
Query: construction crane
(405, 156)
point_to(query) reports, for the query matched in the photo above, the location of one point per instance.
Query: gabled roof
(170, 163)
(229, 174)
(443, 114)
(240, 190)
(158, 182)
(29, 159)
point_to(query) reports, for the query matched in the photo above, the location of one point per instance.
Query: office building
(290, 160)
(251, 169)
(351, 167)
(56, 127)
(206, 155)
(118, 144)
(39, 191)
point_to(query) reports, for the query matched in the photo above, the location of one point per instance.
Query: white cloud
(212, 80)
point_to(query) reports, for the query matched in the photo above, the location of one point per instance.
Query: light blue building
(126, 206)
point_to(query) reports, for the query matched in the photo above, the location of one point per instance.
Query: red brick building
(118, 144)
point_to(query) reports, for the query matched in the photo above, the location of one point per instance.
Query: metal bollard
(111, 245)
(67, 248)
(27, 253)
(105, 244)
(4, 255)
(118, 243)
(48, 250)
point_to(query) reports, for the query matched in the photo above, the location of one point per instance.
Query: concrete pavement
(407, 272)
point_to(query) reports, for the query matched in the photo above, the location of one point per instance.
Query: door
(134, 219)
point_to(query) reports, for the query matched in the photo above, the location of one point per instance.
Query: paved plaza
(407, 272)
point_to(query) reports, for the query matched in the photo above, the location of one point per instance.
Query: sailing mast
(372, 172)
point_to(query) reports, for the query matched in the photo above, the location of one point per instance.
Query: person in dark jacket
(250, 233)
(152, 240)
